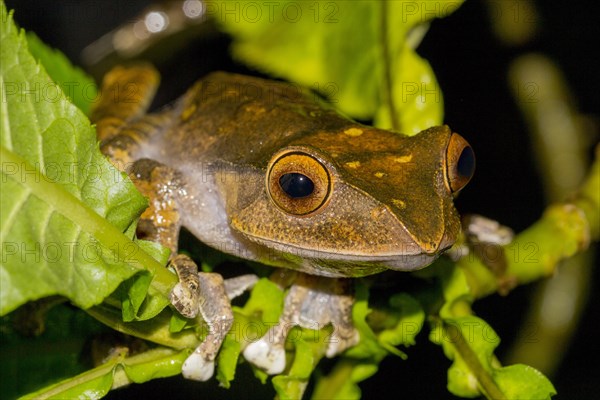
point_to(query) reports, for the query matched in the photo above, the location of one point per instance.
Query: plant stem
(329, 387)
(564, 230)
(488, 386)
(121, 371)
(155, 330)
(387, 67)
(56, 390)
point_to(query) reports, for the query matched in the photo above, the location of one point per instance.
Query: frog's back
(244, 120)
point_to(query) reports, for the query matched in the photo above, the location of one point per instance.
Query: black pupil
(466, 163)
(296, 185)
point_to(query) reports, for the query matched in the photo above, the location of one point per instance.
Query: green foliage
(470, 342)
(358, 54)
(51, 196)
(117, 372)
(264, 306)
(74, 83)
(523, 382)
(402, 321)
(65, 208)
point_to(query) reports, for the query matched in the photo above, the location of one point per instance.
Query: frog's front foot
(268, 353)
(338, 342)
(210, 295)
(312, 302)
(184, 296)
(197, 367)
(267, 356)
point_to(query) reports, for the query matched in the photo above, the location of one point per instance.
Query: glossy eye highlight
(298, 183)
(460, 163)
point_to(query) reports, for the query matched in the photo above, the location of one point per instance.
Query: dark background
(471, 67)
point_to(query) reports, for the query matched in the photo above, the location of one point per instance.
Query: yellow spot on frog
(353, 132)
(256, 110)
(188, 112)
(353, 164)
(403, 159)
(399, 203)
(379, 174)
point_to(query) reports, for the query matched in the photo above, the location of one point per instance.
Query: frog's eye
(460, 163)
(298, 183)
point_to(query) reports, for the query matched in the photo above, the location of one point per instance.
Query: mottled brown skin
(209, 162)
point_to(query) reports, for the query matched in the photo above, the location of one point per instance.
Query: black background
(471, 67)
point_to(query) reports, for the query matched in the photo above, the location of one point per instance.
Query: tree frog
(264, 171)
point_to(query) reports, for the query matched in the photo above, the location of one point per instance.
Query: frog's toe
(198, 368)
(268, 357)
(338, 344)
(238, 285)
(184, 301)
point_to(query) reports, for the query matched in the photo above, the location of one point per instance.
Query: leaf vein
(14, 212)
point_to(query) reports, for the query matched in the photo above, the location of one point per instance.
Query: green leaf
(155, 363)
(63, 207)
(95, 383)
(523, 382)
(455, 288)
(227, 360)
(265, 302)
(80, 88)
(292, 385)
(139, 300)
(134, 292)
(309, 348)
(343, 50)
(410, 322)
(251, 321)
(155, 330)
(368, 347)
(481, 341)
(418, 103)
(178, 322)
(470, 343)
(404, 318)
(342, 382)
(87, 386)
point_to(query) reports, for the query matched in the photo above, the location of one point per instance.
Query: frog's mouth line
(336, 260)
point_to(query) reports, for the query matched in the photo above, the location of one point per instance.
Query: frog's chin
(357, 267)
(331, 263)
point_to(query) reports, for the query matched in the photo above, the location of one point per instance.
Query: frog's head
(358, 200)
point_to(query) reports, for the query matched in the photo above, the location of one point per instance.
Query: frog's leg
(486, 238)
(120, 115)
(211, 295)
(312, 302)
(122, 128)
(125, 97)
(206, 293)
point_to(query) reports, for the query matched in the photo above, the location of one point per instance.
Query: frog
(271, 173)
